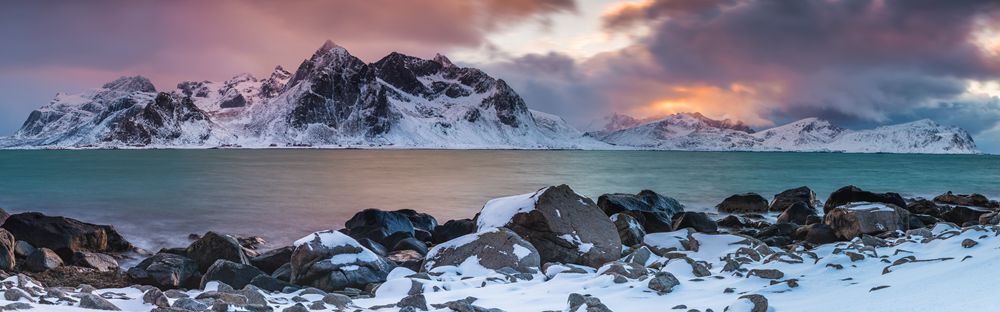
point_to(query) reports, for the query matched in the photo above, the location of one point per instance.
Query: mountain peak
(445, 62)
(130, 84)
(724, 123)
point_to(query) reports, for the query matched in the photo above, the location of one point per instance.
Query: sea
(157, 197)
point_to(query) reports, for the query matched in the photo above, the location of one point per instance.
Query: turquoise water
(157, 197)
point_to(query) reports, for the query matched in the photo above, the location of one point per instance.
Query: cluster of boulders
(522, 237)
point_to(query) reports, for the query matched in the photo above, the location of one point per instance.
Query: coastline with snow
(552, 249)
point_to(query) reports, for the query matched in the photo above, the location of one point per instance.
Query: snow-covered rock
(492, 249)
(331, 260)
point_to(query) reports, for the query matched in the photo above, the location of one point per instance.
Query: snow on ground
(937, 273)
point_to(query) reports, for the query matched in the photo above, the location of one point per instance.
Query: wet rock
(409, 259)
(925, 207)
(562, 225)
(420, 221)
(797, 213)
(22, 249)
(355, 266)
(379, 225)
(495, 248)
(269, 283)
(411, 244)
(7, 250)
(780, 229)
(977, 200)
(852, 220)
(585, 303)
(374, 246)
(214, 246)
(283, 273)
(273, 259)
(166, 271)
(699, 221)
(789, 197)
(663, 282)
(43, 259)
(234, 274)
(97, 261)
(818, 234)
(743, 203)
(852, 194)
(653, 211)
(453, 229)
(95, 302)
(65, 236)
(629, 229)
(963, 214)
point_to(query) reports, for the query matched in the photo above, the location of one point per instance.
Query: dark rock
(283, 273)
(699, 221)
(411, 244)
(356, 266)
(155, 297)
(8, 248)
(43, 259)
(189, 304)
(653, 211)
(852, 220)
(989, 219)
(338, 300)
(629, 229)
(789, 197)
(420, 221)
(797, 213)
(663, 282)
(166, 271)
(272, 259)
(766, 273)
(374, 246)
(743, 203)
(780, 229)
(759, 302)
(234, 274)
(851, 194)
(925, 207)
(17, 306)
(585, 303)
(98, 261)
(496, 248)
(963, 214)
(409, 259)
(95, 302)
(415, 301)
(298, 307)
(968, 243)
(977, 200)
(563, 226)
(625, 269)
(378, 225)
(22, 249)
(180, 251)
(733, 221)
(214, 246)
(251, 242)
(816, 234)
(269, 283)
(65, 236)
(452, 229)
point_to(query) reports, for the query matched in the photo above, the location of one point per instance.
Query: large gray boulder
(493, 249)
(852, 220)
(166, 271)
(331, 260)
(789, 197)
(654, 211)
(564, 226)
(234, 274)
(7, 247)
(853, 194)
(43, 259)
(65, 236)
(214, 246)
(629, 229)
(743, 203)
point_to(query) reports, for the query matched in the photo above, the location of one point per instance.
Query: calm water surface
(157, 197)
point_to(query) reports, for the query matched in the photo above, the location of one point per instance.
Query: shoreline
(643, 239)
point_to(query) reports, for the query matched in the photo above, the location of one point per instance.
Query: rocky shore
(549, 250)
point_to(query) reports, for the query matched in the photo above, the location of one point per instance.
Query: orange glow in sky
(735, 102)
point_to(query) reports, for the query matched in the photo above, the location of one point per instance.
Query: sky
(857, 63)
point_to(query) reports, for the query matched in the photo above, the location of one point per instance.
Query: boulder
(924, 207)
(818, 234)
(663, 282)
(699, 221)
(743, 203)
(379, 225)
(8, 246)
(852, 220)
(3, 215)
(283, 273)
(992, 218)
(409, 259)
(562, 225)
(653, 211)
(963, 214)
(629, 229)
(65, 236)
(95, 302)
(453, 229)
(788, 197)
(269, 283)
(214, 246)
(411, 244)
(43, 259)
(977, 200)
(22, 248)
(749, 303)
(272, 259)
(166, 271)
(585, 303)
(797, 213)
(98, 261)
(493, 249)
(374, 246)
(852, 194)
(234, 274)
(330, 260)
(420, 221)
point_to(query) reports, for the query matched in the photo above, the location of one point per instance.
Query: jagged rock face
(166, 118)
(131, 84)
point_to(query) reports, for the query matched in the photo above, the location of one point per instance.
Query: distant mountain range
(336, 100)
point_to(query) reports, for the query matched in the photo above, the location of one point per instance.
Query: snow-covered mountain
(333, 99)
(693, 131)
